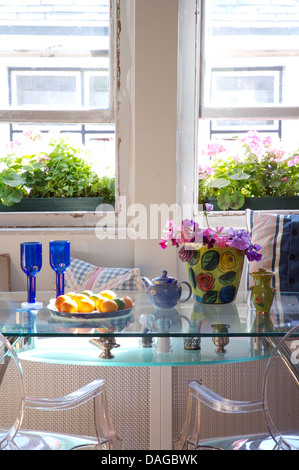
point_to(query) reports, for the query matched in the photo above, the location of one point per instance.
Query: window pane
(55, 55)
(284, 134)
(98, 140)
(250, 53)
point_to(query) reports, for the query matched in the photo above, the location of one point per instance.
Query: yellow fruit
(99, 302)
(87, 292)
(70, 294)
(69, 306)
(78, 297)
(85, 305)
(59, 301)
(109, 306)
(128, 301)
(95, 297)
(108, 293)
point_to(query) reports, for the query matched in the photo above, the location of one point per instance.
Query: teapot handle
(189, 294)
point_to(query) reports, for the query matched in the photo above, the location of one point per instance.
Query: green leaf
(13, 180)
(239, 176)
(227, 278)
(219, 183)
(223, 201)
(210, 260)
(12, 197)
(210, 297)
(192, 278)
(230, 201)
(237, 200)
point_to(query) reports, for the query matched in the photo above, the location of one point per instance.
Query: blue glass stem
(59, 284)
(31, 289)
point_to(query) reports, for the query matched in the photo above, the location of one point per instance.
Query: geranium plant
(45, 166)
(259, 167)
(189, 232)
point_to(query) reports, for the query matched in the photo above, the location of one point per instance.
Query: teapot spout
(146, 283)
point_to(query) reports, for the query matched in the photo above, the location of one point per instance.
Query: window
(57, 71)
(248, 78)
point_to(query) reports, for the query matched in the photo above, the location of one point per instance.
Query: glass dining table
(190, 333)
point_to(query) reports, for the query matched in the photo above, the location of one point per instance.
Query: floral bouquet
(214, 258)
(189, 233)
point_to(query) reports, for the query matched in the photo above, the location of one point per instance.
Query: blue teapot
(165, 291)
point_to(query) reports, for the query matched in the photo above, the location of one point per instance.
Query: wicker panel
(128, 396)
(237, 381)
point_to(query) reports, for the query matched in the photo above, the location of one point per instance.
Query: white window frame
(121, 79)
(236, 112)
(191, 108)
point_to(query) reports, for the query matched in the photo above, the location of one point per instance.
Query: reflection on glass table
(191, 319)
(183, 334)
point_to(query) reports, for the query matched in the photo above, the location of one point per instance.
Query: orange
(109, 305)
(59, 301)
(85, 305)
(69, 306)
(99, 302)
(108, 293)
(128, 301)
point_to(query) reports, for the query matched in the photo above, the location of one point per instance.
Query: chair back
(282, 410)
(12, 399)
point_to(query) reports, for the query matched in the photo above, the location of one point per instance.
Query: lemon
(87, 292)
(95, 297)
(86, 305)
(69, 306)
(108, 293)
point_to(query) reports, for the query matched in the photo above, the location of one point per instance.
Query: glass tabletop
(188, 320)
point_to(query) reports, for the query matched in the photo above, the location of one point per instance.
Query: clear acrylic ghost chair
(285, 350)
(13, 414)
(105, 433)
(14, 438)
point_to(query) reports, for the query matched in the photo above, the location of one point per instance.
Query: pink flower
(294, 161)
(212, 149)
(163, 243)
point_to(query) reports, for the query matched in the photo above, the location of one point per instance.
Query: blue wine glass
(31, 264)
(60, 260)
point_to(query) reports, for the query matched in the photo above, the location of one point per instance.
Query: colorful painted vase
(215, 274)
(262, 293)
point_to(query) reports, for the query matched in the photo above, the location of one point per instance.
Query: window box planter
(264, 203)
(54, 204)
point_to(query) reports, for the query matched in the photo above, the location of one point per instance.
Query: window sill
(55, 220)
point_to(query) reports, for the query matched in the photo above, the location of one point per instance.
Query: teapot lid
(164, 279)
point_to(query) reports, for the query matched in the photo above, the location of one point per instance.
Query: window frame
(191, 109)
(237, 112)
(121, 75)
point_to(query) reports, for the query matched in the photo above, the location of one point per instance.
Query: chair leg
(105, 433)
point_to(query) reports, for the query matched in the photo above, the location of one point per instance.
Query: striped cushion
(278, 236)
(82, 275)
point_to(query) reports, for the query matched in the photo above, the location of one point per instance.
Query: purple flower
(209, 207)
(252, 254)
(238, 239)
